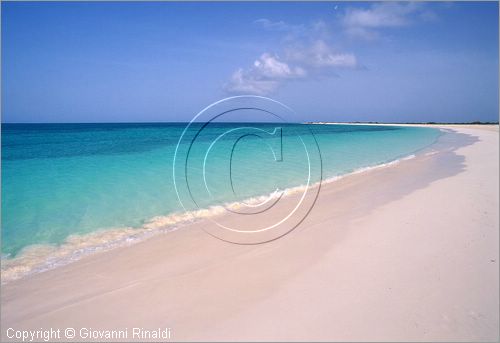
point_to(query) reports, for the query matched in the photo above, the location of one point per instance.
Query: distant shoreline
(482, 126)
(378, 123)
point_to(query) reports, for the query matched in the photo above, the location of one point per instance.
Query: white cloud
(365, 22)
(379, 15)
(266, 74)
(308, 51)
(245, 82)
(305, 52)
(269, 66)
(320, 55)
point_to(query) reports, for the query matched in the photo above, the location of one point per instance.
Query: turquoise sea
(62, 180)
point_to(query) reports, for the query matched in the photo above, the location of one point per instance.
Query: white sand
(407, 252)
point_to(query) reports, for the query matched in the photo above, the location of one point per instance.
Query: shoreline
(379, 246)
(40, 258)
(44, 257)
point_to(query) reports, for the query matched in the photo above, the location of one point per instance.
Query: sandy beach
(405, 252)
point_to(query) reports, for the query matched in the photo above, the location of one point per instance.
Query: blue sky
(163, 61)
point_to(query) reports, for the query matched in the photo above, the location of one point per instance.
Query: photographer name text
(66, 334)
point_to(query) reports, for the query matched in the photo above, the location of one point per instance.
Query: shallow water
(62, 180)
